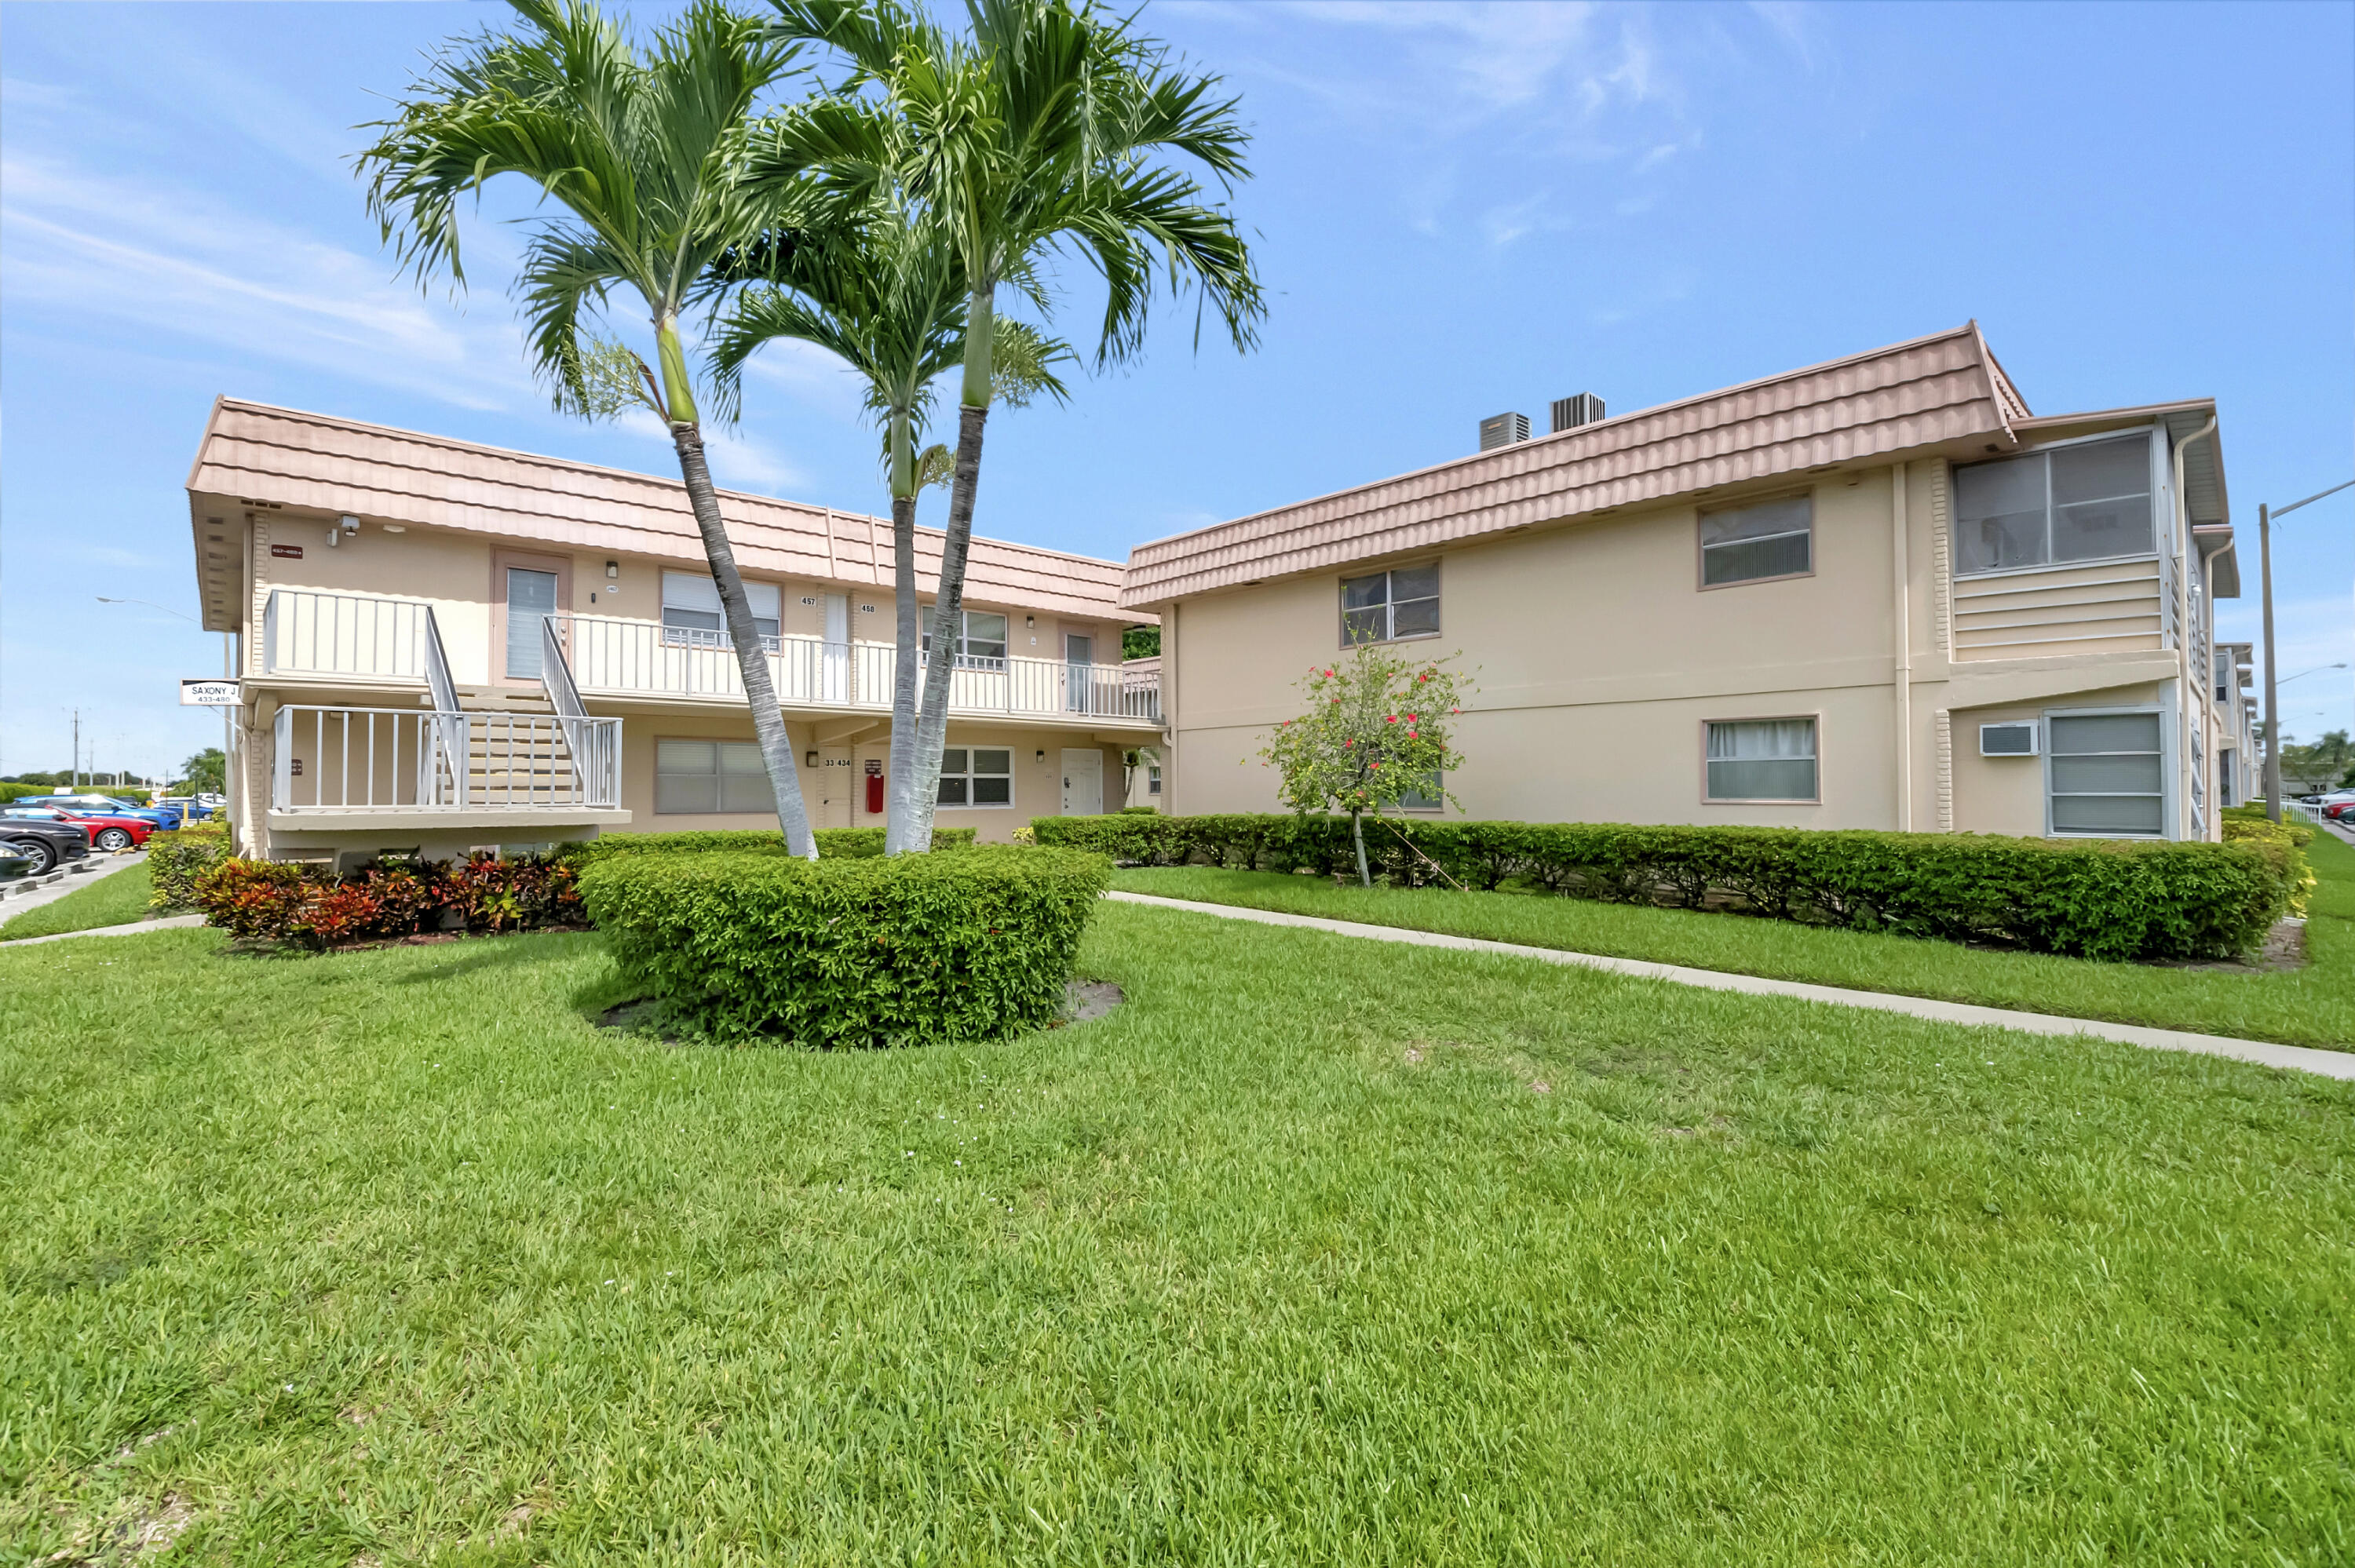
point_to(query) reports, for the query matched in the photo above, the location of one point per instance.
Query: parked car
(2336, 810)
(44, 838)
(88, 802)
(191, 808)
(14, 862)
(107, 830)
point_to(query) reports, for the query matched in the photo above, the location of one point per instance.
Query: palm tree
(1043, 132)
(645, 154)
(886, 296)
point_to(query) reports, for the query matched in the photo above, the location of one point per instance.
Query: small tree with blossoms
(1375, 732)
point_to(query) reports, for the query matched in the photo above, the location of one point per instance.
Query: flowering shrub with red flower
(1375, 735)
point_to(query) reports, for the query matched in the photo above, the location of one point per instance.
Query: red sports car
(106, 831)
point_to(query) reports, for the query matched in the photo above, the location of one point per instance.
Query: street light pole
(2273, 711)
(2273, 687)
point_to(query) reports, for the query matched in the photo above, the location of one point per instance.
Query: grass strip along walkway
(116, 897)
(2266, 1053)
(2310, 1006)
(1315, 1250)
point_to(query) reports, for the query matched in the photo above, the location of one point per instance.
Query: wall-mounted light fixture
(809, 759)
(1030, 621)
(394, 527)
(1042, 756)
(613, 568)
(339, 527)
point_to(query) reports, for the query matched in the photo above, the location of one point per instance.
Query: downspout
(2183, 632)
(1902, 634)
(1169, 709)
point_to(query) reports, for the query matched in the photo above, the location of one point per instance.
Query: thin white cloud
(177, 267)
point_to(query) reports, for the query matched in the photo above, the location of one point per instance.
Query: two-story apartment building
(1875, 593)
(443, 646)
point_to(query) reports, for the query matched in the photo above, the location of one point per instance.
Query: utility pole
(2273, 715)
(75, 767)
(2273, 687)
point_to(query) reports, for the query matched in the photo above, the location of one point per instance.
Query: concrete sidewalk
(168, 923)
(2302, 1058)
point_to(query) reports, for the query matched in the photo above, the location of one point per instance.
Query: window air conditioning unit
(2008, 741)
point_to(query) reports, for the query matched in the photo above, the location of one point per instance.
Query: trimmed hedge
(833, 844)
(174, 861)
(2094, 898)
(849, 951)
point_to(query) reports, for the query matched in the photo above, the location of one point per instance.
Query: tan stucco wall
(1597, 657)
(1038, 786)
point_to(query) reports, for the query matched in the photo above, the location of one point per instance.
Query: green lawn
(1318, 1250)
(2313, 1006)
(115, 899)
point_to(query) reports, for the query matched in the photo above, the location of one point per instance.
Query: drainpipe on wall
(1902, 634)
(2184, 761)
(1168, 710)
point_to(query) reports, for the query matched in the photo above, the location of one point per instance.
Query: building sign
(287, 552)
(208, 694)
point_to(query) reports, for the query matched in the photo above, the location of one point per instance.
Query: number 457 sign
(212, 693)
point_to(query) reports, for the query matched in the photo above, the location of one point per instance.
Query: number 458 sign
(212, 693)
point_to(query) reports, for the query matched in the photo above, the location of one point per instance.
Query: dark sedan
(46, 841)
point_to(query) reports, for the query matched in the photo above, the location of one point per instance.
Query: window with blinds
(2086, 502)
(693, 776)
(2108, 775)
(1758, 543)
(1762, 759)
(691, 616)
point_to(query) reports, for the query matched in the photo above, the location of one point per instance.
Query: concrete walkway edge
(169, 923)
(2301, 1058)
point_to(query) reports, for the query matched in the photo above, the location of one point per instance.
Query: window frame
(1814, 718)
(714, 741)
(1438, 807)
(2168, 826)
(966, 660)
(1700, 550)
(771, 642)
(2161, 509)
(968, 775)
(1389, 605)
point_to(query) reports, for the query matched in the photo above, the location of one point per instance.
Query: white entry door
(835, 782)
(1083, 783)
(833, 681)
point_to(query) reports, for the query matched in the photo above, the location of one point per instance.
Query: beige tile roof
(252, 451)
(1943, 388)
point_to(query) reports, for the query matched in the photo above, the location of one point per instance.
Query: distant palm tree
(645, 154)
(1043, 132)
(887, 296)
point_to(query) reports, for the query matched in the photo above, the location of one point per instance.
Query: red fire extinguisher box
(874, 788)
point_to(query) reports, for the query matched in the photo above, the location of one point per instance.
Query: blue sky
(1459, 209)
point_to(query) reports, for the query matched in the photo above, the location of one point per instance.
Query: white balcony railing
(637, 657)
(393, 760)
(305, 632)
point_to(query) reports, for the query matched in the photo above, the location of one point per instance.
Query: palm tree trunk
(736, 610)
(948, 607)
(900, 826)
